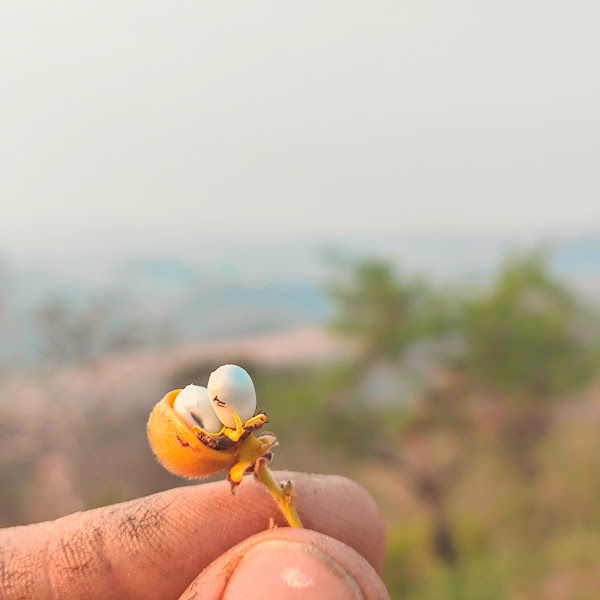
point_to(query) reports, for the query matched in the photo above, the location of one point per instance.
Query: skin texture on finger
(293, 564)
(153, 547)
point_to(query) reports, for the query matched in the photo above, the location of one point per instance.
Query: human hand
(203, 543)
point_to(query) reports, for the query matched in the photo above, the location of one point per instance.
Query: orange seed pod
(194, 453)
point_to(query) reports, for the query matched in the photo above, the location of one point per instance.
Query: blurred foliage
(527, 333)
(520, 349)
(487, 466)
(382, 309)
(68, 336)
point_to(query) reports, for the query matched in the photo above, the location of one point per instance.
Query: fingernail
(290, 570)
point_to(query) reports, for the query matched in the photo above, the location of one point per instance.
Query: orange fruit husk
(178, 449)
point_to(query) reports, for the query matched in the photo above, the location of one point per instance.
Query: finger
(161, 542)
(286, 564)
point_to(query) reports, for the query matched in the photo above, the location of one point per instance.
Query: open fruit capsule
(192, 452)
(188, 450)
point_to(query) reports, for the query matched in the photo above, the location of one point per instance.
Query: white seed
(193, 407)
(230, 388)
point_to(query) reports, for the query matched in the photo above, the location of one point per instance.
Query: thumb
(288, 564)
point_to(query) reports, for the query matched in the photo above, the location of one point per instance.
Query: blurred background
(388, 213)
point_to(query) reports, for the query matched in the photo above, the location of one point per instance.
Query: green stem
(283, 494)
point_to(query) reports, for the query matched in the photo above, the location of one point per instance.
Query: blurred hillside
(471, 413)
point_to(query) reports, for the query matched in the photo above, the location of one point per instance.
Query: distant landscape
(222, 291)
(470, 412)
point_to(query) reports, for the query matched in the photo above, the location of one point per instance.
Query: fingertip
(288, 563)
(281, 569)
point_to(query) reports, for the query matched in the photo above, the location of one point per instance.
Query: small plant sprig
(201, 431)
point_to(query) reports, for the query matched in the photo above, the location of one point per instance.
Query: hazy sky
(233, 119)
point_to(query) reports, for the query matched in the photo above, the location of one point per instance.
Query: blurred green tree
(383, 310)
(516, 349)
(528, 333)
(527, 342)
(387, 312)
